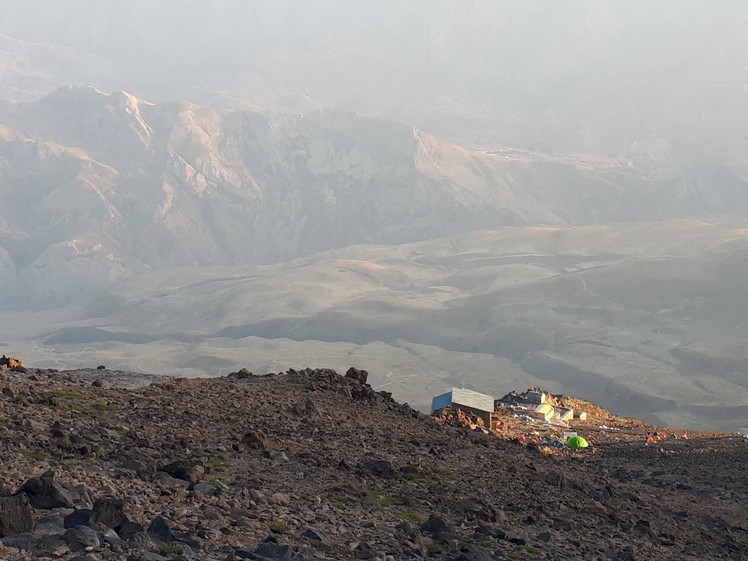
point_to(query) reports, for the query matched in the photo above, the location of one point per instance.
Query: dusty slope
(643, 318)
(361, 470)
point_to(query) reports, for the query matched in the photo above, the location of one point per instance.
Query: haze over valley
(479, 193)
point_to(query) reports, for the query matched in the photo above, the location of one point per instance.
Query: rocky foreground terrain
(101, 465)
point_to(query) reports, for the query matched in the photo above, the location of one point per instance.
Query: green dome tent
(576, 442)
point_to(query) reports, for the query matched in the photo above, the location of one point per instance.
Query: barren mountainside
(99, 186)
(642, 318)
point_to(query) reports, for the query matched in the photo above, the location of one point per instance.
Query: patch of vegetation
(278, 527)
(172, 548)
(414, 517)
(524, 552)
(77, 402)
(418, 478)
(342, 500)
(36, 455)
(432, 546)
(97, 406)
(390, 501)
(64, 394)
(217, 463)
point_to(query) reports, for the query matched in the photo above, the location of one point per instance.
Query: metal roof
(469, 398)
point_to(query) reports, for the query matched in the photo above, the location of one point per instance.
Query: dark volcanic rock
(361, 376)
(184, 471)
(81, 538)
(160, 531)
(16, 515)
(45, 493)
(242, 374)
(129, 530)
(436, 526)
(474, 509)
(378, 468)
(316, 535)
(109, 512)
(51, 524)
(274, 551)
(24, 541)
(256, 440)
(80, 517)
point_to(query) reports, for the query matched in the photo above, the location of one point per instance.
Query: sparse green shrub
(172, 548)
(278, 527)
(414, 517)
(524, 552)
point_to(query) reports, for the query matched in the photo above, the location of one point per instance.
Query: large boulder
(81, 538)
(16, 515)
(109, 512)
(359, 375)
(160, 531)
(43, 492)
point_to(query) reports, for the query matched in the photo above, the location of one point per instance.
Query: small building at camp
(536, 397)
(565, 414)
(543, 412)
(580, 415)
(469, 401)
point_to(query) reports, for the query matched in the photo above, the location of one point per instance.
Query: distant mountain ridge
(563, 78)
(99, 186)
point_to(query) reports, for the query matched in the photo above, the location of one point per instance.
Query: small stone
(280, 499)
(255, 440)
(316, 535)
(271, 550)
(435, 525)
(379, 468)
(168, 482)
(208, 489)
(185, 471)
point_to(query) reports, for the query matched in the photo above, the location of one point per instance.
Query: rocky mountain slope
(313, 465)
(98, 187)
